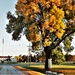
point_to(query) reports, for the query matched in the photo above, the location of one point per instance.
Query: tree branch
(54, 46)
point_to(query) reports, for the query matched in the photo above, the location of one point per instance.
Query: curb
(29, 72)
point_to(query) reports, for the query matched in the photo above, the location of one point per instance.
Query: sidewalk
(28, 72)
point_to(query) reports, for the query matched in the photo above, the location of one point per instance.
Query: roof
(4, 56)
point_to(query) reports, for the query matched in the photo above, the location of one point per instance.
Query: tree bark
(48, 62)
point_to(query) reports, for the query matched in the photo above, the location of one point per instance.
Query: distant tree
(67, 45)
(57, 56)
(45, 23)
(24, 57)
(19, 58)
(68, 57)
(32, 58)
(9, 58)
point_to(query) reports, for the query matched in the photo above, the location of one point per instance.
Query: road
(10, 70)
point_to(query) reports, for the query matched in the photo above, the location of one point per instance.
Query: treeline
(31, 58)
(57, 57)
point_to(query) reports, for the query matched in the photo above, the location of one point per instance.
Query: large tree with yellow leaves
(45, 23)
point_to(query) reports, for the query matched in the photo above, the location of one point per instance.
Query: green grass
(40, 67)
(8, 63)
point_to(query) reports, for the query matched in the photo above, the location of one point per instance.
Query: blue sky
(11, 47)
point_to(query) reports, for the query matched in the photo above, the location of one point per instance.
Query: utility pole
(29, 58)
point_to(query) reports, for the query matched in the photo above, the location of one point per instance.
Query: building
(5, 58)
(13, 59)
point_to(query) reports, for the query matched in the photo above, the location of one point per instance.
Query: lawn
(68, 68)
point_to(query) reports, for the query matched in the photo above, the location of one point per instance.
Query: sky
(11, 47)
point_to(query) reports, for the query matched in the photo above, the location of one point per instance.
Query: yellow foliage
(43, 32)
(32, 17)
(55, 23)
(47, 4)
(34, 37)
(51, 29)
(32, 27)
(34, 7)
(36, 45)
(60, 33)
(41, 1)
(47, 41)
(62, 25)
(57, 2)
(74, 18)
(59, 13)
(46, 24)
(56, 27)
(23, 1)
(52, 18)
(70, 7)
(67, 12)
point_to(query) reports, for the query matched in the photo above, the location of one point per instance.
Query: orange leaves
(46, 24)
(52, 19)
(34, 37)
(26, 9)
(19, 7)
(23, 1)
(47, 4)
(41, 1)
(34, 7)
(57, 2)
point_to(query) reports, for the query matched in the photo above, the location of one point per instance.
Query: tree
(9, 58)
(19, 58)
(45, 23)
(24, 57)
(57, 55)
(68, 57)
(67, 45)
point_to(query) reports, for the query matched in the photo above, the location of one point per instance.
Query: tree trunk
(48, 62)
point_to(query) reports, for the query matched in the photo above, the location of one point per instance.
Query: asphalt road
(9, 70)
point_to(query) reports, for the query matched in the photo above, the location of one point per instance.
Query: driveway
(10, 70)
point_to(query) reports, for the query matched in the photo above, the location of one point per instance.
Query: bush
(57, 57)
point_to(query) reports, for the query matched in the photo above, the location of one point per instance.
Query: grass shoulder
(68, 68)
